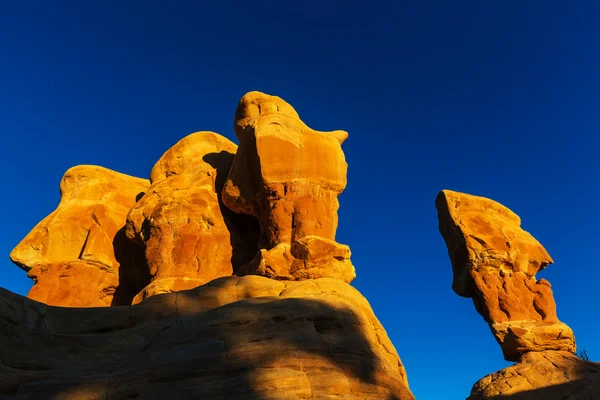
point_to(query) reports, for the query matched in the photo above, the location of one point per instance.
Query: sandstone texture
(222, 272)
(288, 176)
(494, 262)
(189, 237)
(232, 338)
(78, 256)
(545, 375)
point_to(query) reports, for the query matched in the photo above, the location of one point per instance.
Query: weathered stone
(189, 238)
(289, 177)
(545, 375)
(494, 262)
(233, 338)
(78, 256)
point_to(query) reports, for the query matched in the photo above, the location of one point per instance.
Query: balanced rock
(189, 238)
(288, 176)
(495, 262)
(232, 338)
(78, 256)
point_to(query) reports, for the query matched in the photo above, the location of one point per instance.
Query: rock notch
(288, 176)
(78, 256)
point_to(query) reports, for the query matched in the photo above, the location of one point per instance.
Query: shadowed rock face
(495, 262)
(545, 375)
(78, 255)
(233, 338)
(189, 238)
(195, 330)
(288, 176)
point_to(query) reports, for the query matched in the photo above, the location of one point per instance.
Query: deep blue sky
(498, 99)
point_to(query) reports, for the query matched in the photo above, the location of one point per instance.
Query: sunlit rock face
(188, 236)
(223, 272)
(288, 176)
(78, 256)
(494, 263)
(232, 338)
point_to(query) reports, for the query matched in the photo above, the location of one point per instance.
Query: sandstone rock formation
(195, 330)
(189, 238)
(544, 375)
(232, 338)
(78, 255)
(495, 262)
(288, 176)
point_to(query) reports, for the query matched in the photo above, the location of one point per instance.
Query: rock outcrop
(189, 238)
(232, 338)
(494, 262)
(288, 176)
(78, 256)
(179, 259)
(544, 375)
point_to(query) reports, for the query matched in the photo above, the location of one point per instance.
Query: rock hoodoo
(188, 238)
(78, 256)
(288, 176)
(494, 262)
(165, 254)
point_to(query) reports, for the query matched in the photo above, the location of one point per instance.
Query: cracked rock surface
(233, 338)
(79, 256)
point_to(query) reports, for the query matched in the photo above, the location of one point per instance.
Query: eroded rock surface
(494, 262)
(233, 338)
(189, 238)
(545, 375)
(78, 255)
(288, 176)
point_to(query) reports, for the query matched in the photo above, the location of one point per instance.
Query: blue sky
(498, 99)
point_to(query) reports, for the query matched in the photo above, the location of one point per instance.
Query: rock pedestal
(494, 262)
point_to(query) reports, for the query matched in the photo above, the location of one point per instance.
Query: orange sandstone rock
(189, 238)
(78, 256)
(232, 338)
(544, 375)
(288, 176)
(494, 262)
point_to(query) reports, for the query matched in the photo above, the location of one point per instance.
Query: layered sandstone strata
(232, 338)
